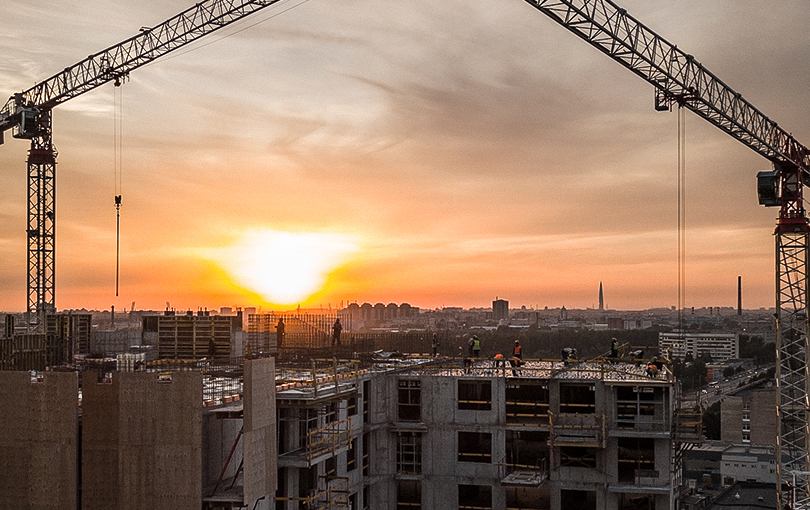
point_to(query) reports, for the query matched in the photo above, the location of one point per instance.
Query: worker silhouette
(435, 345)
(280, 332)
(336, 329)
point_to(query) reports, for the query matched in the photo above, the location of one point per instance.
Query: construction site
(279, 411)
(385, 430)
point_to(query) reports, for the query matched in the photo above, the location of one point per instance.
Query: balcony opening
(636, 502)
(577, 398)
(474, 497)
(527, 498)
(475, 447)
(579, 500)
(636, 459)
(526, 450)
(409, 494)
(527, 402)
(475, 395)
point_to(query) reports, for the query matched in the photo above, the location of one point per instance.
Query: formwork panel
(154, 444)
(38, 448)
(260, 449)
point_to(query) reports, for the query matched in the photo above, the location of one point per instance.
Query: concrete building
(500, 310)
(65, 334)
(190, 336)
(748, 415)
(402, 433)
(720, 346)
(716, 465)
(135, 440)
(409, 434)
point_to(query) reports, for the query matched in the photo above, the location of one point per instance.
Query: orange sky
(464, 150)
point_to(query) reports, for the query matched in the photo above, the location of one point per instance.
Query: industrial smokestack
(739, 295)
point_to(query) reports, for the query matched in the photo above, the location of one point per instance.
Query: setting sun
(284, 268)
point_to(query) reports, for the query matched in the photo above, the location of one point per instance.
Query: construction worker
(336, 329)
(614, 348)
(435, 345)
(517, 350)
(517, 357)
(280, 332)
(499, 361)
(476, 346)
(568, 354)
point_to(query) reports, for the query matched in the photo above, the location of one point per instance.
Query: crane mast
(680, 79)
(29, 115)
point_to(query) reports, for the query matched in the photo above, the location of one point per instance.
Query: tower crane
(680, 79)
(29, 115)
(677, 79)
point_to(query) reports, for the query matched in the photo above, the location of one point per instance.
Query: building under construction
(402, 432)
(64, 335)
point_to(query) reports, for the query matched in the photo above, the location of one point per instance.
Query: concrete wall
(142, 442)
(260, 445)
(38, 446)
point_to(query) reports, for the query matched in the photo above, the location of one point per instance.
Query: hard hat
(517, 341)
(475, 337)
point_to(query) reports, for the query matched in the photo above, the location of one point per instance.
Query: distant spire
(601, 298)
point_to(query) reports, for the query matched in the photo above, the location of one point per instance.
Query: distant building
(500, 310)
(748, 415)
(189, 336)
(601, 298)
(718, 464)
(720, 346)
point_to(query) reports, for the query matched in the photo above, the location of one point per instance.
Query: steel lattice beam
(119, 60)
(677, 75)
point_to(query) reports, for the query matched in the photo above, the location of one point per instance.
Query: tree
(711, 421)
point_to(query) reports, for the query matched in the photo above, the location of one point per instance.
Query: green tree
(711, 421)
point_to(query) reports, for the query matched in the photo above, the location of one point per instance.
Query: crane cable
(118, 110)
(681, 214)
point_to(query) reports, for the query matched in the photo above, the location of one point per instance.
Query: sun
(283, 268)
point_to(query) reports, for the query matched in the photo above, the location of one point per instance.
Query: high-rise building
(500, 309)
(601, 298)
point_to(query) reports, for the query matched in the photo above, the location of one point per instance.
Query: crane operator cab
(768, 188)
(28, 126)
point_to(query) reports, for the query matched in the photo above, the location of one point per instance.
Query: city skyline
(441, 154)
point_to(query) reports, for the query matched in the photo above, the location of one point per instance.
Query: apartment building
(413, 434)
(720, 346)
(748, 414)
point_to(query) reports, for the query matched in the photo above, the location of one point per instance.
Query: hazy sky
(436, 153)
